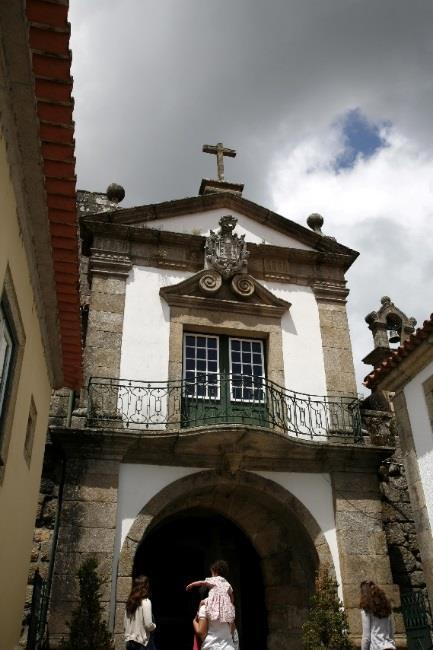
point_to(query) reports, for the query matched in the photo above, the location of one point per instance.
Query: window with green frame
(209, 360)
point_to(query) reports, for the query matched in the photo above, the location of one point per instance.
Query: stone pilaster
(87, 529)
(416, 491)
(108, 271)
(362, 545)
(336, 344)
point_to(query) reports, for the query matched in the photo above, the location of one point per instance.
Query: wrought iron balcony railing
(222, 399)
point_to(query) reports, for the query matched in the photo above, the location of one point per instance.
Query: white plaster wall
(145, 339)
(146, 325)
(202, 222)
(138, 484)
(422, 433)
(304, 367)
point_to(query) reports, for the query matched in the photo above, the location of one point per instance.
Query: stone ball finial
(315, 222)
(115, 193)
(385, 300)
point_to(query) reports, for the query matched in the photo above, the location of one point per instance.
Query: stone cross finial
(220, 151)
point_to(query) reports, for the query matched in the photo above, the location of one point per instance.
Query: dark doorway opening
(180, 550)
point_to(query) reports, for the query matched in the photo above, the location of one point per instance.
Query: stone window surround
(243, 325)
(30, 431)
(10, 301)
(428, 394)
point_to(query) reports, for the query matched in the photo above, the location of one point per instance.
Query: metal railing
(38, 613)
(416, 615)
(222, 399)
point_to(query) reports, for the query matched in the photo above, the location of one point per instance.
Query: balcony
(209, 401)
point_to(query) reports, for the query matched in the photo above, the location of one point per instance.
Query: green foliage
(87, 630)
(326, 625)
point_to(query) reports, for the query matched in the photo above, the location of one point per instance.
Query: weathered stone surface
(71, 563)
(337, 348)
(123, 589)
(99, 514)
(108, 285)
(86, 540)
(113, 303)
(106, 321)
(98, 487)
(97, 338)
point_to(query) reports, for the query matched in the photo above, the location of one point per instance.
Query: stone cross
(220, 151)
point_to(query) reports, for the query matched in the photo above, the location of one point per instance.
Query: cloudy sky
(329, 104)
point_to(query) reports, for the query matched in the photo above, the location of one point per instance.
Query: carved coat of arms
(226, 251)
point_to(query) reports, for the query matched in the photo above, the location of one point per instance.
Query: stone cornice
(113, 264)
(213, 304)
(255, 448)
(179, 251)
(326, 291)
(189, 294)
(148, 213)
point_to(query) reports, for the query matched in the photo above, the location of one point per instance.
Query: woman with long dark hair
(377, 622)
(138, 620)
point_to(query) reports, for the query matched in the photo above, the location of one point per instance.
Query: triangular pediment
(242, 293)
(197, 215)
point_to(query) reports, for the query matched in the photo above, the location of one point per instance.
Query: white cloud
(382, 206)
(156, 79)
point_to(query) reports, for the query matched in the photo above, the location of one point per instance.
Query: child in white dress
(219, 603)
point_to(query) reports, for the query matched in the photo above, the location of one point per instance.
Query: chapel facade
(218, 418)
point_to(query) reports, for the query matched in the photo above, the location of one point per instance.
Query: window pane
(247, 369)
(6, 349)
(201, 363)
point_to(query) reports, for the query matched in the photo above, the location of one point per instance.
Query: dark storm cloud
(154, 80)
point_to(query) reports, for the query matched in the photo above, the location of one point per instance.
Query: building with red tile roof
(407, 373)
(40, 334)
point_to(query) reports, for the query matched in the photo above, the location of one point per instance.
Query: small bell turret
(389, 325)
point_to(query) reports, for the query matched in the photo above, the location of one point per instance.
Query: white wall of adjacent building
(146, 331)
(422, 433)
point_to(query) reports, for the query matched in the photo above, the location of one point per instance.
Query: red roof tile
(49, 33)
(397, 356)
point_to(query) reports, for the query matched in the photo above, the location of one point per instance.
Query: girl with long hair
(377, 622)
(138, 620)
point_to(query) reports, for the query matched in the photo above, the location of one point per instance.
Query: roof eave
(190, 205)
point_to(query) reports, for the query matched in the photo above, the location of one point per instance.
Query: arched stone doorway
(284, 536)
(180, 549)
